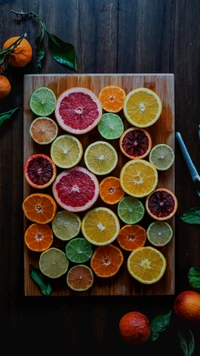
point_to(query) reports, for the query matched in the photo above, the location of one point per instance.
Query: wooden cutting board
(122, 284)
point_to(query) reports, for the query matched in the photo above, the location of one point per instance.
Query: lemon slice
(100, 157)
(66, 151)
(53, 263)
(66, 225)
(162, 156)
(159, 233)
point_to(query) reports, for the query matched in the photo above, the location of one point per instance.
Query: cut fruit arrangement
(93, 212)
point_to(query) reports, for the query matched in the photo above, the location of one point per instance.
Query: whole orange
(5, 86)
(187, 306)
(21, 55)
(135, 328)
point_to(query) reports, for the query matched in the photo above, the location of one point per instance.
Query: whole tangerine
(22, 53)
(135, 328)
(5, 86)
(187, 306)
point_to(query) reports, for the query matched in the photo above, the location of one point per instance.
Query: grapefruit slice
(76, 189)
(78, 110)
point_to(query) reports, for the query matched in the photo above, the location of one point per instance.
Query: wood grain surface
(162, 131)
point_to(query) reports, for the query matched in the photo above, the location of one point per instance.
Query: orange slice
(135, 143)
(110, 190)
(131, 237)
(39, 208)
(161, 204)
(80, 278)
(38, 237)
(106, 260)
(112, 98)
(43, 130)
(39, 171)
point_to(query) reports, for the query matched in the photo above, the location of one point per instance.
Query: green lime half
(130, 210)
(53, 263)
(111, 126)
(159, 233)
(43, 101)
(78, 250)
(66, 225)
(162, 156)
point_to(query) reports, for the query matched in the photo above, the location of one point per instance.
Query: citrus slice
(110, 126)
(38, 237)
(146, 264)
(39, 171)
(100, 157)
(80, 278)
(78, 110)
(53, 263)
(112, 98)
(138, 178)
(43, 101)
(135, 143)
(76, 189)
(131, 237)
(39, 208)
(110, 190)
(161, 204)
(66, 225)
(78, 250)
(162, 156)
(159, 233)
(66, 151)
(142, 107)
(43, 130)
(106, 260)
(130, 210)
(100, 226)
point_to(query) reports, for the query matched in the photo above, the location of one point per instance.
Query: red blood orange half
(135, 143)
(78, 110)
(39, 171)
(76, 189)
(161, 204)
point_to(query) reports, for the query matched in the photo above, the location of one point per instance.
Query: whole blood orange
(161, 204)
(78, 110)
(187, 306)
(39, 171)
(134, 327)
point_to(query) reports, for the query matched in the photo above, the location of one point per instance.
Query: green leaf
(191, 216)
(194, 277)
(187, 343)
(63, 52)
(159, 324)
(41, 280)
(40, 51)
(7, 115)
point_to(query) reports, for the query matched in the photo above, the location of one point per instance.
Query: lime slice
(43, 101)
(53, 263)
(130, 210)
(100, 157)
(78, 250)
(66, 151)
(162, 156)
(66, 225)
(80, 278)
(159, 233)
(111, 126)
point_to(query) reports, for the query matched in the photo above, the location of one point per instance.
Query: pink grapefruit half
(76, 189)
(78, 110)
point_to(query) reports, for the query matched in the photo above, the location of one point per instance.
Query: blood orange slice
(76, 189)
(39, 171)
(78, 110)
(135, 143)
(161, 204)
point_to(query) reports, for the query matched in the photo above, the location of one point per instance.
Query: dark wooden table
(118, 36)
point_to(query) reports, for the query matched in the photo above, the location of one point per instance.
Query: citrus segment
(80, 278)
(146, 264)
(66, 151)
(110, 190)
(43, 101)
(130, 210)
(100, 226)
(76, 189)
(162, 156)
(142, 107)
(39, 208)
(66, 225)
(43, 130)
(138, 178)
(110, 126)
(38, 237)
(106, 260)
(100, 157)
(78, 250)
(161, 204)
(78, 110)
(159, 233)
(131, 237)
(112, 98)
(53, 263)
(39, 171)
(135, 143)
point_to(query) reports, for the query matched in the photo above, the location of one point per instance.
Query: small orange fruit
(38, 237)
(187, 306)
(112, 98)
(5, 86)
(111, 191)
(21, 55)
(134, 328)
